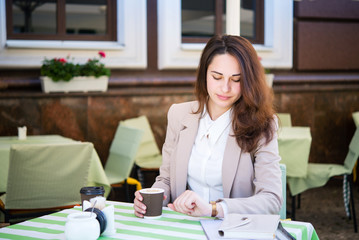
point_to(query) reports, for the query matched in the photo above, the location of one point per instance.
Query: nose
(226, 85)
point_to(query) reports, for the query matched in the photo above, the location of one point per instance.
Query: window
(61, 20)
(252, 20)
(122, 33)
(276, 48)
(201, 19)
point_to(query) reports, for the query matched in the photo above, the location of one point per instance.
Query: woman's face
(223, 84)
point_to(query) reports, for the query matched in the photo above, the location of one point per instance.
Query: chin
(225, 105)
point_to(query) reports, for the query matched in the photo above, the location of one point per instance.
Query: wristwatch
(214, 208)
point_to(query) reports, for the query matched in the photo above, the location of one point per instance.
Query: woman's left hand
(191, 204)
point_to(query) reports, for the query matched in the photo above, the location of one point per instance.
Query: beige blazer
(247, 187)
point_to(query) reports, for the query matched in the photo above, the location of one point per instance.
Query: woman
(221, 154)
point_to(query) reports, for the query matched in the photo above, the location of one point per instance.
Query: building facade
(311, 47)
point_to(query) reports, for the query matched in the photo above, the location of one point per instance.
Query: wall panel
(327, 46)
(329, 9)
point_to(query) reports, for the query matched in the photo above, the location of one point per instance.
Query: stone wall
(324, 106)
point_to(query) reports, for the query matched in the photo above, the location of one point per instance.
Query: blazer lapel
(185, 143)
(231, 158)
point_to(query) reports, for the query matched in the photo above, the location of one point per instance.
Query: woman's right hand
(139, 207)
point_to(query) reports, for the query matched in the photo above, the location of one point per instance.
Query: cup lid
(101, 218)
(92, 190)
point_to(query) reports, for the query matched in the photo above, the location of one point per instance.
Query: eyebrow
(234, 75)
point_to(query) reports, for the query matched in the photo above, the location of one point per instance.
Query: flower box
(62, 75)
(76, 84)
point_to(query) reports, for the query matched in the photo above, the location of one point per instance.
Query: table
(294, 148)
(96, 177)
(171, 225)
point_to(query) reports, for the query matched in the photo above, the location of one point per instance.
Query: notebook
(249, 226)
(211, 226)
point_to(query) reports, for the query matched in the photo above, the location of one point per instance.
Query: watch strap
(214, 208)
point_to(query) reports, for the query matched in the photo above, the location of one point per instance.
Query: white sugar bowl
(82, 225)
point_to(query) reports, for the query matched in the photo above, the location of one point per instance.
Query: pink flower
(62, 60)
(102, 54)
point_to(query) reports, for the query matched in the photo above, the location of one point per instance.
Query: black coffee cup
(153, 199)
(90, 192)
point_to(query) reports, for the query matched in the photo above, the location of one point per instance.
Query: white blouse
(205, 165)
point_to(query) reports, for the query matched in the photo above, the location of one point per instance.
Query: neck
(215, 112)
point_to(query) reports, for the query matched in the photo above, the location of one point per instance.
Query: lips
(221, 97)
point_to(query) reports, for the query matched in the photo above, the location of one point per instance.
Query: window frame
(128, 51)
(60, 34)
(276, 52)
(259, 24)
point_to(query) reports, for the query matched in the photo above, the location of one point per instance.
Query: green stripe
(16, 237)
(155, 226)
(107, 238)
(124, 207)
(187, 221)
(314, 235)
(126, 214)
(48, 221)
(164, 210)
(36, 229)
(173, 212)
(300, 227)
(149, 234)
(182, 214)
(59, 214)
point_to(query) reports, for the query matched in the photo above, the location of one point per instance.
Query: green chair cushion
(148, 155)
(122, 154)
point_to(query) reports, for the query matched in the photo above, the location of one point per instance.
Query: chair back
(353, 152)
(356, 118)
(122, 154)
(285, 119)
(148, 147)
(47, 175)
(283, 210)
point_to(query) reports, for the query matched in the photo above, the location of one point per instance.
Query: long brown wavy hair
(253, 112)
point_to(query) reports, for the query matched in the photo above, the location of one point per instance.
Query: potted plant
(62, 75)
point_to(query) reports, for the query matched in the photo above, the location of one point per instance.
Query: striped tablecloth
(171, 225)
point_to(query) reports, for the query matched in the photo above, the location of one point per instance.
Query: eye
(216, 77)
(236, 80)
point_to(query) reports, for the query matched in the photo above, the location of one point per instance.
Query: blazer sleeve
(163, 180)
(267, 183)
